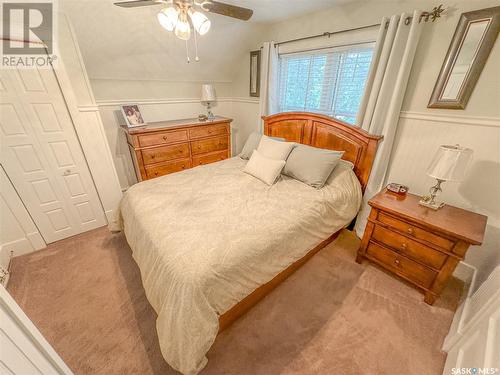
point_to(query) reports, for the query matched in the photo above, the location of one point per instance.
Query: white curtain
(269, 79)
(385, 89)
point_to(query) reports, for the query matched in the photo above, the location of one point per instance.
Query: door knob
(67, 172)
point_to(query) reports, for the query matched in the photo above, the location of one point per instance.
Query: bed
(212, 241)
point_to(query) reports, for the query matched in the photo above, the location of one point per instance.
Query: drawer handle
(199, 147)
(404, 246)
(152, 156)
(164, 138)
(411, 231)
(156, 173)
(397, 262)
(209, 132)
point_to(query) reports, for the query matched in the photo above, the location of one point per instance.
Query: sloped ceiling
(120, 43)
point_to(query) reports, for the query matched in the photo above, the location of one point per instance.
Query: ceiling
(119, 42)
(278, 10)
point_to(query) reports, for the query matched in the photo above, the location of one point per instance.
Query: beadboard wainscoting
(419, 136)
(244, 111)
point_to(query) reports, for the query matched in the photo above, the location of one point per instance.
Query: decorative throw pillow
(311, 165)
(252, 143)
(273, 149)
(265, 169)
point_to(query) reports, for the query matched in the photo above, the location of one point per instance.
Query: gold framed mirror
(470, 47)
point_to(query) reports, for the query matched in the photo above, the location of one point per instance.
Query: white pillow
(265, 169)
(252, 143)
(272, 149)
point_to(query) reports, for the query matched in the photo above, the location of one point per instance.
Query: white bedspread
(207, 237)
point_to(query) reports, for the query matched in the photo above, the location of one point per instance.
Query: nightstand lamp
(207, 98)
(449, 164)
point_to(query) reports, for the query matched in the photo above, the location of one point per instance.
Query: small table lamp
(449, 164)
(207, 98)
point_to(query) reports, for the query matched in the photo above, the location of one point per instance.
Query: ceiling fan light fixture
(200, 22)
(183, 28)
(168, 17)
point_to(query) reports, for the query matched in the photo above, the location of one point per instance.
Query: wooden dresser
(419, 244)
(165, 147)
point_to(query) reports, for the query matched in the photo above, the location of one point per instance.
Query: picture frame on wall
(255, 73)
(132, 115)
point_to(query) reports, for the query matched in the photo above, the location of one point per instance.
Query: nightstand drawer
(414, 231)
(401, 265)
(409, 247)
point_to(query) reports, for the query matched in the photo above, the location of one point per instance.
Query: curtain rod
(425, 16)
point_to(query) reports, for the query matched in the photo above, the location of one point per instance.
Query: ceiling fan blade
(228, 10)
(136, 3)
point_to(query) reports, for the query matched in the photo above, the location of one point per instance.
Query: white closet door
(42, 155)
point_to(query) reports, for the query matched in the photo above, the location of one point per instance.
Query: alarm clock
(397, 188)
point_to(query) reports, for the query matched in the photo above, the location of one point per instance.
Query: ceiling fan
(180, 16)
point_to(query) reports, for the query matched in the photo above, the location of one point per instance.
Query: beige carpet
(331, 317)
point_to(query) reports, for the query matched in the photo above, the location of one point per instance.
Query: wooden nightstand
(419, 244)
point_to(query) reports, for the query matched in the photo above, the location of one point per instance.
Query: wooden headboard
(325, 132)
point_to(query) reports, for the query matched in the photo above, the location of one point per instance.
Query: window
(329, 81)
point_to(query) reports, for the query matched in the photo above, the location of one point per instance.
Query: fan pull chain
(196, 46)
(187, 53)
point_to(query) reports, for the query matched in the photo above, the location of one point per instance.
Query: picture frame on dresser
(132, 115)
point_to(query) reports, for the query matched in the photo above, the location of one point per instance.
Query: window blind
(328, 81)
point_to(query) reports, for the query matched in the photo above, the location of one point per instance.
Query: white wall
(422, 130)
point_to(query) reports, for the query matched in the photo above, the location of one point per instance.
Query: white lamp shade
(168, 17)
(208, 93)
(450, 163)
(200, 22)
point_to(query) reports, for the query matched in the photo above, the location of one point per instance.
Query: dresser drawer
(162, 138)
(415, 231)
(401, 265)
(209, 145)
(208, 131)
(409, 247)
(157, 170)
(209, 158)
(164, 153)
